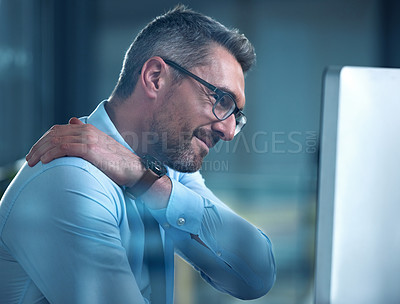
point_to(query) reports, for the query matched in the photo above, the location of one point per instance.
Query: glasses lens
(240, 122)
(224, 107)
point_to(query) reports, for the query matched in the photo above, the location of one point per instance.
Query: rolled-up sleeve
(235, 257)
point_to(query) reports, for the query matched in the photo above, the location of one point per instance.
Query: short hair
(184, 36)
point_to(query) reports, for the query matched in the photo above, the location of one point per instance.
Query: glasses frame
(240, 117)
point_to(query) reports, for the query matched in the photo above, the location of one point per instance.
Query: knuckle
(45, 158)
(91, 148)
(91, 138)
(55, 128)
(64, 147)
(55, 140)
(88, 127)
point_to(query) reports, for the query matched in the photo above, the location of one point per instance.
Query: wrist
(152, 170)
(135, 172)
(157, 197)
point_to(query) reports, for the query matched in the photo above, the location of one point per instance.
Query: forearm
(157, 196)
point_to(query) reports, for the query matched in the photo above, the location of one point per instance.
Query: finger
(47, 143)
(75, 121)
(70, 129)
(58, 135)
(37, 146)
(65, 149)
(40, 148)
(57, 131)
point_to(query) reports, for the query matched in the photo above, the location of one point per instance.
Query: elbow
(266, 279)
(264, 276)
(255, 283)
(244, 282)
(267, 284)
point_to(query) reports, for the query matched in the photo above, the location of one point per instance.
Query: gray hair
(184, 36)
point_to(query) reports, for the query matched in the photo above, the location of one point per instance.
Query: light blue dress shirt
(69, 234)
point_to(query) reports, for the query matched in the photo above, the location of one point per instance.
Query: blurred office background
(60, 58)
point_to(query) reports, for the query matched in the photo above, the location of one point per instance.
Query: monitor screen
(358, 218)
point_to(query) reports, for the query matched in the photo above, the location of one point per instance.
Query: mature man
(103, 227)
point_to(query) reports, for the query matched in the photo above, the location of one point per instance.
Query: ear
(152, 77)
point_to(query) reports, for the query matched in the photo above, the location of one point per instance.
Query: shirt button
(219, 253)
(181, 221)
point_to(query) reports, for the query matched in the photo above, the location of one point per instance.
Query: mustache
(209, 137)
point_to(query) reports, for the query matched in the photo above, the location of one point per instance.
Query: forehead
(225, 73)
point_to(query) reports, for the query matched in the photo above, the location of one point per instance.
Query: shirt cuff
(184, 210)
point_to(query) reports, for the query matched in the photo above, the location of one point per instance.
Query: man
(103, 227)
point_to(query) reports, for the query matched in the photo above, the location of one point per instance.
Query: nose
(225, 128)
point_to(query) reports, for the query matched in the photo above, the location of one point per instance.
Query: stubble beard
(174, 149)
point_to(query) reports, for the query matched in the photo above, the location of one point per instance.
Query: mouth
(206, 138)
(206, 145)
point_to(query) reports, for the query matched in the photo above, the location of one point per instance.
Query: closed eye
(212, 98)
(215, 97)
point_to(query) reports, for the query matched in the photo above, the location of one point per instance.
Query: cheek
(198, 116)
(185, 111)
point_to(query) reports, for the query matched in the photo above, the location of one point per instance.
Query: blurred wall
(61, 58)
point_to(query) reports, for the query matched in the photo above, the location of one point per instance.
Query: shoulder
(70, 169)
(69, 185)
(76, 173)
(67, 202)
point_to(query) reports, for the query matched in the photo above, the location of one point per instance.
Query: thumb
(75, 121)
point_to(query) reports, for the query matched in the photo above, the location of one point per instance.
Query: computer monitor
(358, 218)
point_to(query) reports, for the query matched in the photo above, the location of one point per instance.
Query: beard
(174, 148)
(172, 142)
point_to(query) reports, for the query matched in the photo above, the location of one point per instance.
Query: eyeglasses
(225, 104)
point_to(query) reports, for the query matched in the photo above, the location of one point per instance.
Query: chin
(186, 165)
(187, 158)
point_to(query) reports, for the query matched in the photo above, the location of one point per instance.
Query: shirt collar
(100, 119)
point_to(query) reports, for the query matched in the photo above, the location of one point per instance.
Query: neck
(128, 120)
